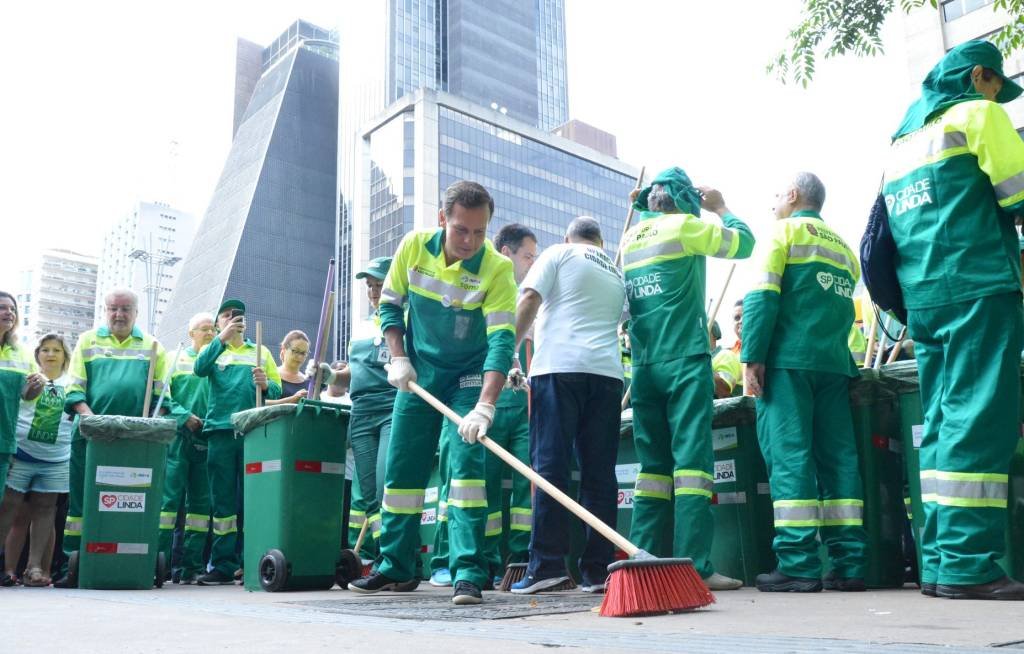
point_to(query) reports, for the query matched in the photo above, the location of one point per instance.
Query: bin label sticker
(429, 516)
(117, 548)
(625, 473)
(323, 467)
(730, 498)
(625, 498)
(123, 476)
(430, 495)
(763, 488)
(725, 471)
(724, 438)
(123, 502)
(256, 467)
(917, 434)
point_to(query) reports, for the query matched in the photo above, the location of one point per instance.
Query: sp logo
(108, 500)
(826, 280)
(890, 202)
(813, 230)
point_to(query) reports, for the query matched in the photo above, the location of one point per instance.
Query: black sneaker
(844, 584)
(1003, 588)
(466, 593)
(215, 578)
(776, 582)
(64, 582)
(375, 583)
(407, 586)
(175, 576)
(928, 590)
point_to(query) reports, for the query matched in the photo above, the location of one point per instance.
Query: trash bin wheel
(350, 568)
(73, 570)
(161, 570)
(273, 571)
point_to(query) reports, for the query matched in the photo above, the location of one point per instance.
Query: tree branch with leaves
(832, 28)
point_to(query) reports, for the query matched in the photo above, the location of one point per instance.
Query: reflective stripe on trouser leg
(414, 433)
(974, 412)
(492, 529)
(692, 482)
(224, 465)
(840, 513)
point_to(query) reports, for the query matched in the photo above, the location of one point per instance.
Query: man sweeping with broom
(457, 341)
(672, 392)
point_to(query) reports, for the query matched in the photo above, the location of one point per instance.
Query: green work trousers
(368, 435)
(224, 467)
(5, 467)
(415, 432)
(186, 482)
(805, 430)
(672, 406)
(76, 489)
(968, 356)
(511, 430)
(439, 556)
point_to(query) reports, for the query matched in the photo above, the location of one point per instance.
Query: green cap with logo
(231, 304)
(376, 268)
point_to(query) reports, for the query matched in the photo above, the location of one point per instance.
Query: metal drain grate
(436, 606)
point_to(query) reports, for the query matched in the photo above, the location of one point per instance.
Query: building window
(953, 9)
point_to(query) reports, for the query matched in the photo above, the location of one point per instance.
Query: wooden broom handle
(259, 360)
(898, 347)
(586, 516)
(629, 217)
(148, 400)
(718, 301)
(318, 376)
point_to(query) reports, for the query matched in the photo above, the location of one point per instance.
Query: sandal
(35, 578)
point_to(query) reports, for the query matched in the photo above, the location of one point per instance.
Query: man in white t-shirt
(575, 388)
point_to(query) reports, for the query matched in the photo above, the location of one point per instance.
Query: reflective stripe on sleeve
(728, 235)
(651, 251)
(388, 296)
(497, 318)
(1008, 188)
(807, 251)
(454, 293)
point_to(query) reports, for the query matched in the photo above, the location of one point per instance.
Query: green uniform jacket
(664, 263)
(369, 387)
(460, 316)
(952, 188)
(16, 364)
(191, 393)
(726, 364)
(110, 375)
(799, 314)
(229, 370)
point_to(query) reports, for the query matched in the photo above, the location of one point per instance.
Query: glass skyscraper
(272, 224)
(417, 148)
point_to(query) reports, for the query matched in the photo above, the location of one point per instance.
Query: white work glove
(400, 373)
(516, 380)
(477, 422)
(327, 374)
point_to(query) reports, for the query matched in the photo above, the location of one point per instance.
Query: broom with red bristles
(640, 585)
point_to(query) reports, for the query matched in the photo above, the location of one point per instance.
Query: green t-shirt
(369, 387)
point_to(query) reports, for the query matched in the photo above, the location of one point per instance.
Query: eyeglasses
(300, 353)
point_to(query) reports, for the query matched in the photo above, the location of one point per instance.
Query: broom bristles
(651, 587)
(514, 572)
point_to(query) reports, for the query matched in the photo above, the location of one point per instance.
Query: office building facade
(57, 295)
(143, 251)
(425, 142)
(271, 226)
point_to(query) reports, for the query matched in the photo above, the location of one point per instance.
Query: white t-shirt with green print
(44, 432)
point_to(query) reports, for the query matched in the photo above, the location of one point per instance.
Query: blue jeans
(573, 411)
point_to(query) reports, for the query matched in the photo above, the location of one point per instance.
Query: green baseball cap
(376, 268)
(231, 304)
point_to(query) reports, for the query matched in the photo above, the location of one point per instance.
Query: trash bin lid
(732, 411)
(112, 428)
(245, 421)
(904, 374)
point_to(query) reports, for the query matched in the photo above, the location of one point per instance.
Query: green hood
(949, 83)
(678, 185)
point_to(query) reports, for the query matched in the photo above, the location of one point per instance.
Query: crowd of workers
(467, 319)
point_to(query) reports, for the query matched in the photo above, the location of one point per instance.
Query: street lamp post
(154, 263)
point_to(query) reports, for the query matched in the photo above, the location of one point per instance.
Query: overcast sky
(97, 93)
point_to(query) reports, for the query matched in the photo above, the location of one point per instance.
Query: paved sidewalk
(230, 619)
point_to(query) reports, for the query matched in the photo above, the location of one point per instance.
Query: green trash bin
(742, 503)
(873, 404)
(294, 461)
(124, 480)
(904, 375)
